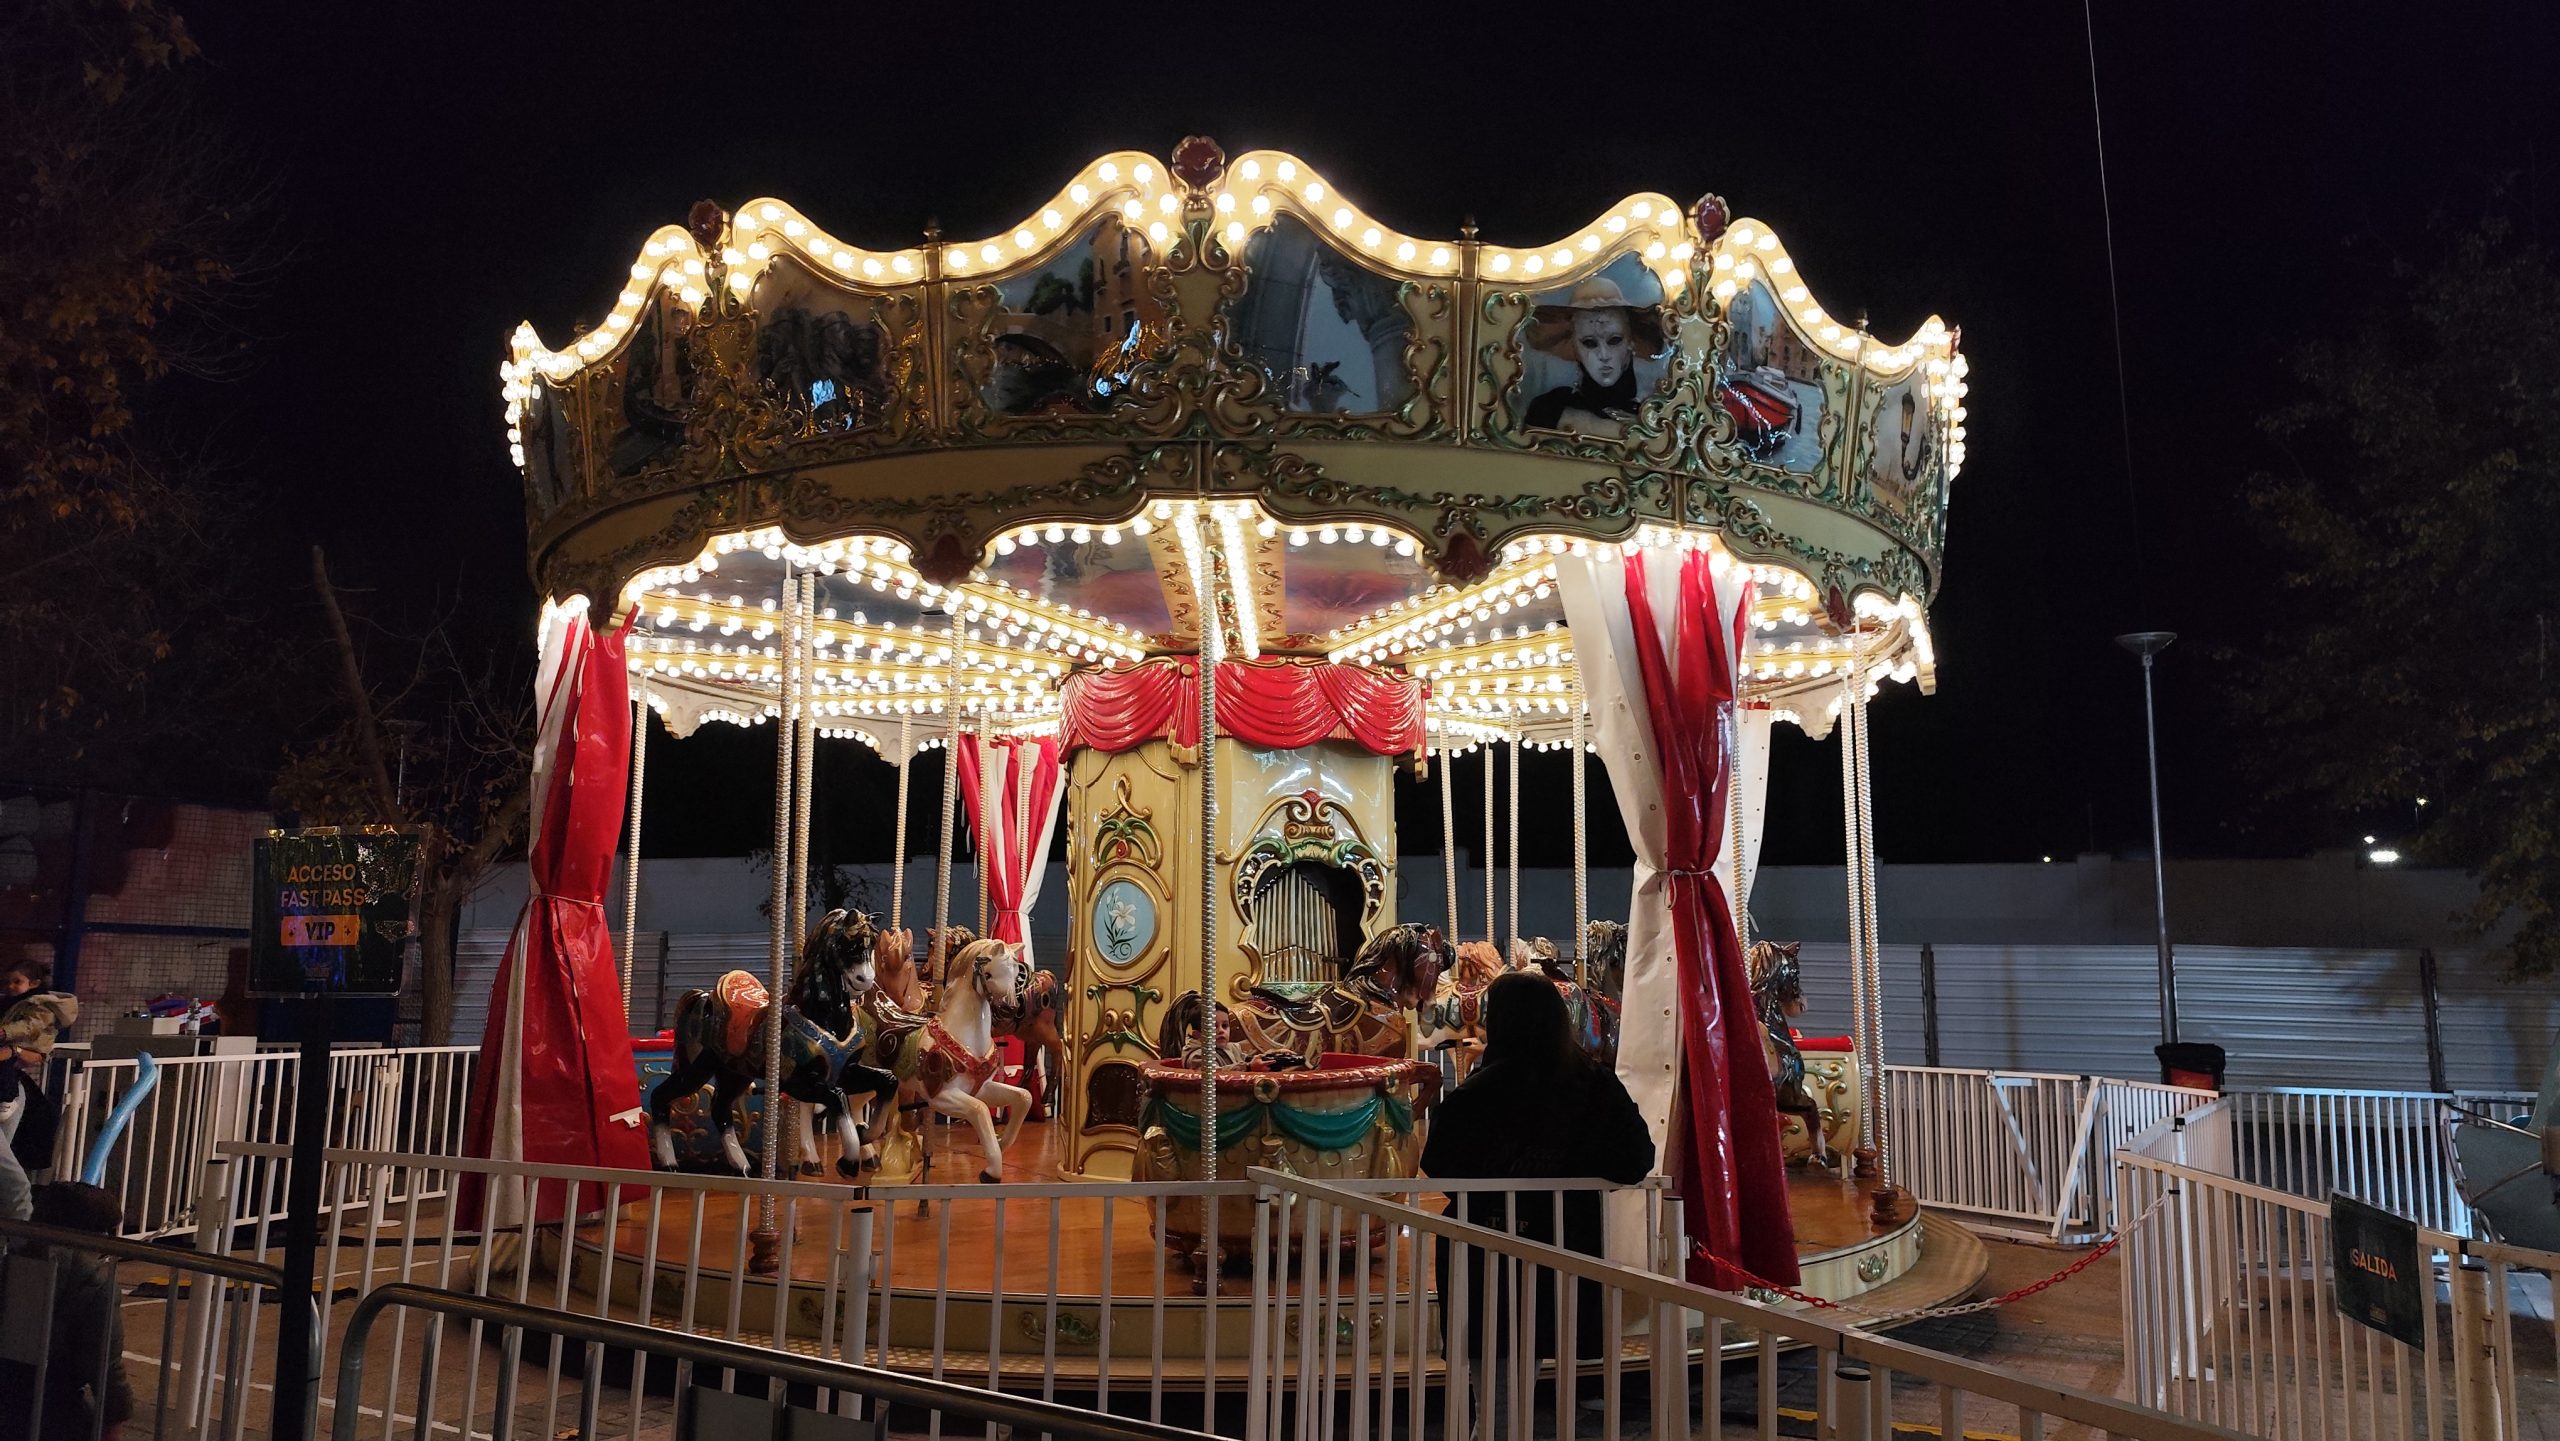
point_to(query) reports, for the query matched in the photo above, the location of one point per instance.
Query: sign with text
(2382, 1281)
(331, 911)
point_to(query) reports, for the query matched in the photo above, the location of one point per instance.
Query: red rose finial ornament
(1198, 162)
(706, 220)
(1712, 216)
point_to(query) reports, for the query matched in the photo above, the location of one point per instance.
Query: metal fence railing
(2229, 1305)
(381, 1098)
(1441, 1326)
(77, 1312)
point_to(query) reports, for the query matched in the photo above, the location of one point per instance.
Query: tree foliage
(2418, 525)
(424, 737)
(126, 245)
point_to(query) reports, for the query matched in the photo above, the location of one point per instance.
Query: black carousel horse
(720, 1038)
(1777, 994)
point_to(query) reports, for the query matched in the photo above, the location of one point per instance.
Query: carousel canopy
(1203, 378)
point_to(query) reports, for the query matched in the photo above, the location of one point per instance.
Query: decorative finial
(1712, 215)
(708, 222)
(1198, 162)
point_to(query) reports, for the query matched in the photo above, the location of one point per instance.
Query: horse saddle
(891, 1026)
(1330, 1009)
(742, 1001)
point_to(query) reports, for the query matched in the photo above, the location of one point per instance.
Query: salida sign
(2374, 1255)
(331, 910)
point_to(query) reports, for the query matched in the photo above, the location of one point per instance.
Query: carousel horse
(1594, 1015)
(1777, 993)
(1368, 1012)
(1604, 947)
(1041, 1027)
(888, 949)
(947, 1060)
(720, 1037)
(1454, 1019)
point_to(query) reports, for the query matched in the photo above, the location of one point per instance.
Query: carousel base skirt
(1047, 1285)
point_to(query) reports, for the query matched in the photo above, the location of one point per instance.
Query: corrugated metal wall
(2288, 1017)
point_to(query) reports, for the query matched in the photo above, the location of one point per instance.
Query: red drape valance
(1275, 701)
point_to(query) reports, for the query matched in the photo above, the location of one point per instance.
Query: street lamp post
(2146, 644)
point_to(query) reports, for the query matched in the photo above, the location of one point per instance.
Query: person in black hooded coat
(1536, 1107)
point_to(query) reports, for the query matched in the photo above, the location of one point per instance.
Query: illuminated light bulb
(904, 265)
(959, 259)
(1079, 194)
(1023, 239)
(1082, 534)
(1501, 263)
(1616, 224)
(1439, 255)
(1370, 237)
(1342, 217)
(1156, 231)
(1765, 242)
(1655, 251)
(1111, 535)
(1562, 256)
(1109, 172)
(1226, 202)
(990, 254)
(1591, 242)
(1130, 209)
(1288, 170)
(1378, 535)
(1262, 205)
(1144, 175)
(1314, 191)
(1004, 545)
(1268, 528)
(1534, 264)
(1250, 170)
(1168, 202)
(1235, 232)
(759, 251)
(844, 261)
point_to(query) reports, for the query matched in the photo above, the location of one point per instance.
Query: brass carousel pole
(1491, 939)
(1879, 1087)
(804, 748)
(1448, 836)
(950, 779)
(766, 1238)
(631, 864)
(1581, 856)
(898, 873)
(1515, 839)
(1212, 648)
(1859, 1041)
(989, 787)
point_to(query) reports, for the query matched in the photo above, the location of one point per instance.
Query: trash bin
(2191, 1063)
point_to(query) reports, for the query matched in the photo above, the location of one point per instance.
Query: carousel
(1190, 516)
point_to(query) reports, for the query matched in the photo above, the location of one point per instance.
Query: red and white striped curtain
(555, 1082)
(1658, 632)
(1027, 771)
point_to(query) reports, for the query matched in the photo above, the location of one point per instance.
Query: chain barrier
(1963, 1308)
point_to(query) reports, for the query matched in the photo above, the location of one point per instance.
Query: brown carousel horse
(1369, 1011)
(1777, 993)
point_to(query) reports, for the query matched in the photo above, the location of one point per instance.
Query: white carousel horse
(948, 1060)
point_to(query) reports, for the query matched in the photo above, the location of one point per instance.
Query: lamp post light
(2146, 644)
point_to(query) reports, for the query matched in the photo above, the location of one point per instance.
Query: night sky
(444, 171)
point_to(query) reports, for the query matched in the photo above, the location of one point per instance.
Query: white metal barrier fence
(2228, 1294)
(1519, 1337)
(385, 1099)
(2021, 1146)
(1998, 1144)
(1056, 1289)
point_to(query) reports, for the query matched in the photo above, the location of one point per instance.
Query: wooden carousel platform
(1040, 1281)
